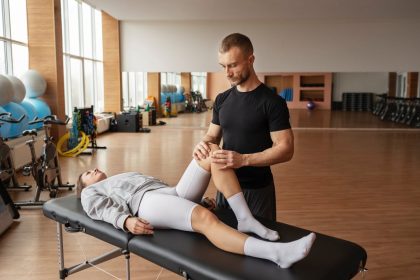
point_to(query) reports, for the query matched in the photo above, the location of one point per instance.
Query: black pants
(261, 201)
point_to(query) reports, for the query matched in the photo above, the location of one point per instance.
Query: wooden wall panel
(412, 84)
(46, 52)
(186, 81)
(153, 89)
(112, 65)
(216, 83)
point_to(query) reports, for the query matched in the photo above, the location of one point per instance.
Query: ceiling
(192, 10)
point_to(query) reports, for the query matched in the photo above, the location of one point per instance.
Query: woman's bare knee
(214, 147)
(206, 163)
(202, 219)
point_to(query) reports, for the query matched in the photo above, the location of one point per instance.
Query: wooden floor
(352, 177)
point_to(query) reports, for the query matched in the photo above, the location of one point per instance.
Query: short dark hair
(80, 185)
(237, 40)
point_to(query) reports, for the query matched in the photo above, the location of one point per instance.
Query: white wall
(294, 46)
(359, 82)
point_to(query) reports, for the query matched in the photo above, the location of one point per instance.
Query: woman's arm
(100, 206)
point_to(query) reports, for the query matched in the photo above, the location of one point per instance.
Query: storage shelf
(313, 88)
(316, 87)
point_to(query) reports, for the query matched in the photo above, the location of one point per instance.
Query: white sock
(247, 222)
(283, 254)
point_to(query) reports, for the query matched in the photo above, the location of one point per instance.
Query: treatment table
(192, 256)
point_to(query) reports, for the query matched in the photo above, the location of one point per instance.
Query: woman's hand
(137, 225)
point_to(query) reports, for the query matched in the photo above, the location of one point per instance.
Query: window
(14, 56)
(199, 82)
(134, 87)
(82, 56)
(170, 78)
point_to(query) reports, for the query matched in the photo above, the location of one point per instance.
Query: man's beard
(242, 79)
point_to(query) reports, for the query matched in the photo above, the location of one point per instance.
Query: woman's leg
(168, 211)
(194, 182)
(227, 183)
(231, 240)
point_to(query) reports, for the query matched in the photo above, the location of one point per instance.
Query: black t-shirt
(246, 120)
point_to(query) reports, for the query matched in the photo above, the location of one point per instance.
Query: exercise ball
(41, 108)
(5, 127)
(6, 90)
(35, 84)
(17, 111)
(180, 89)
(310, 105)
(30, 112)
(18, 89)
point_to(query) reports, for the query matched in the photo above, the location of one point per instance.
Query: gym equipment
(77, 141)
(7, 167)
(8, 211)
(399, 110)
(128, 122)
(310, 105)
(16, 128)
(357, 101)
(5, 127)
(30, 112)
(81, 146)
(45, 169)
(87, 124)
(35, 84)
(19, 90)
(192, 256)
(380, 105)
(194, 102)
(6, 90)
(389, 110)
(41, 108)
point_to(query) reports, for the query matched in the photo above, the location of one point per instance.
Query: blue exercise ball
(17, 111)
(5, 127)
(35, 84)
(30, 112)
(41, 108)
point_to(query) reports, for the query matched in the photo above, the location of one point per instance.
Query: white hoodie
(118, 197)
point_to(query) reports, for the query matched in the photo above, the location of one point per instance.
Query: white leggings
(172, 207)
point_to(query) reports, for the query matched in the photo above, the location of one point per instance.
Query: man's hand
(136, 225)
(228, 159)
(201, 151)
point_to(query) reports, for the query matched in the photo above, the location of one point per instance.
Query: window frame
(98, 92)
(9, 42)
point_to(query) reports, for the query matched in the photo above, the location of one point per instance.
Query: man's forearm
(211, 139)
(268, 157)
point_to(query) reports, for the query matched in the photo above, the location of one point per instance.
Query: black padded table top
(330, 258)
(68, 211)
(192, 253)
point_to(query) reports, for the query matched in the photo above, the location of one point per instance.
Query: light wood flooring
(352, 177)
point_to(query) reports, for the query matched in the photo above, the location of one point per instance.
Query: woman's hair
(237, 40)
(80, 185)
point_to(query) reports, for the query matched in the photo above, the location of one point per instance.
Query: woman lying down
(139, 204)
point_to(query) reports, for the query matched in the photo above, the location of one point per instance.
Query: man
(254, 124)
